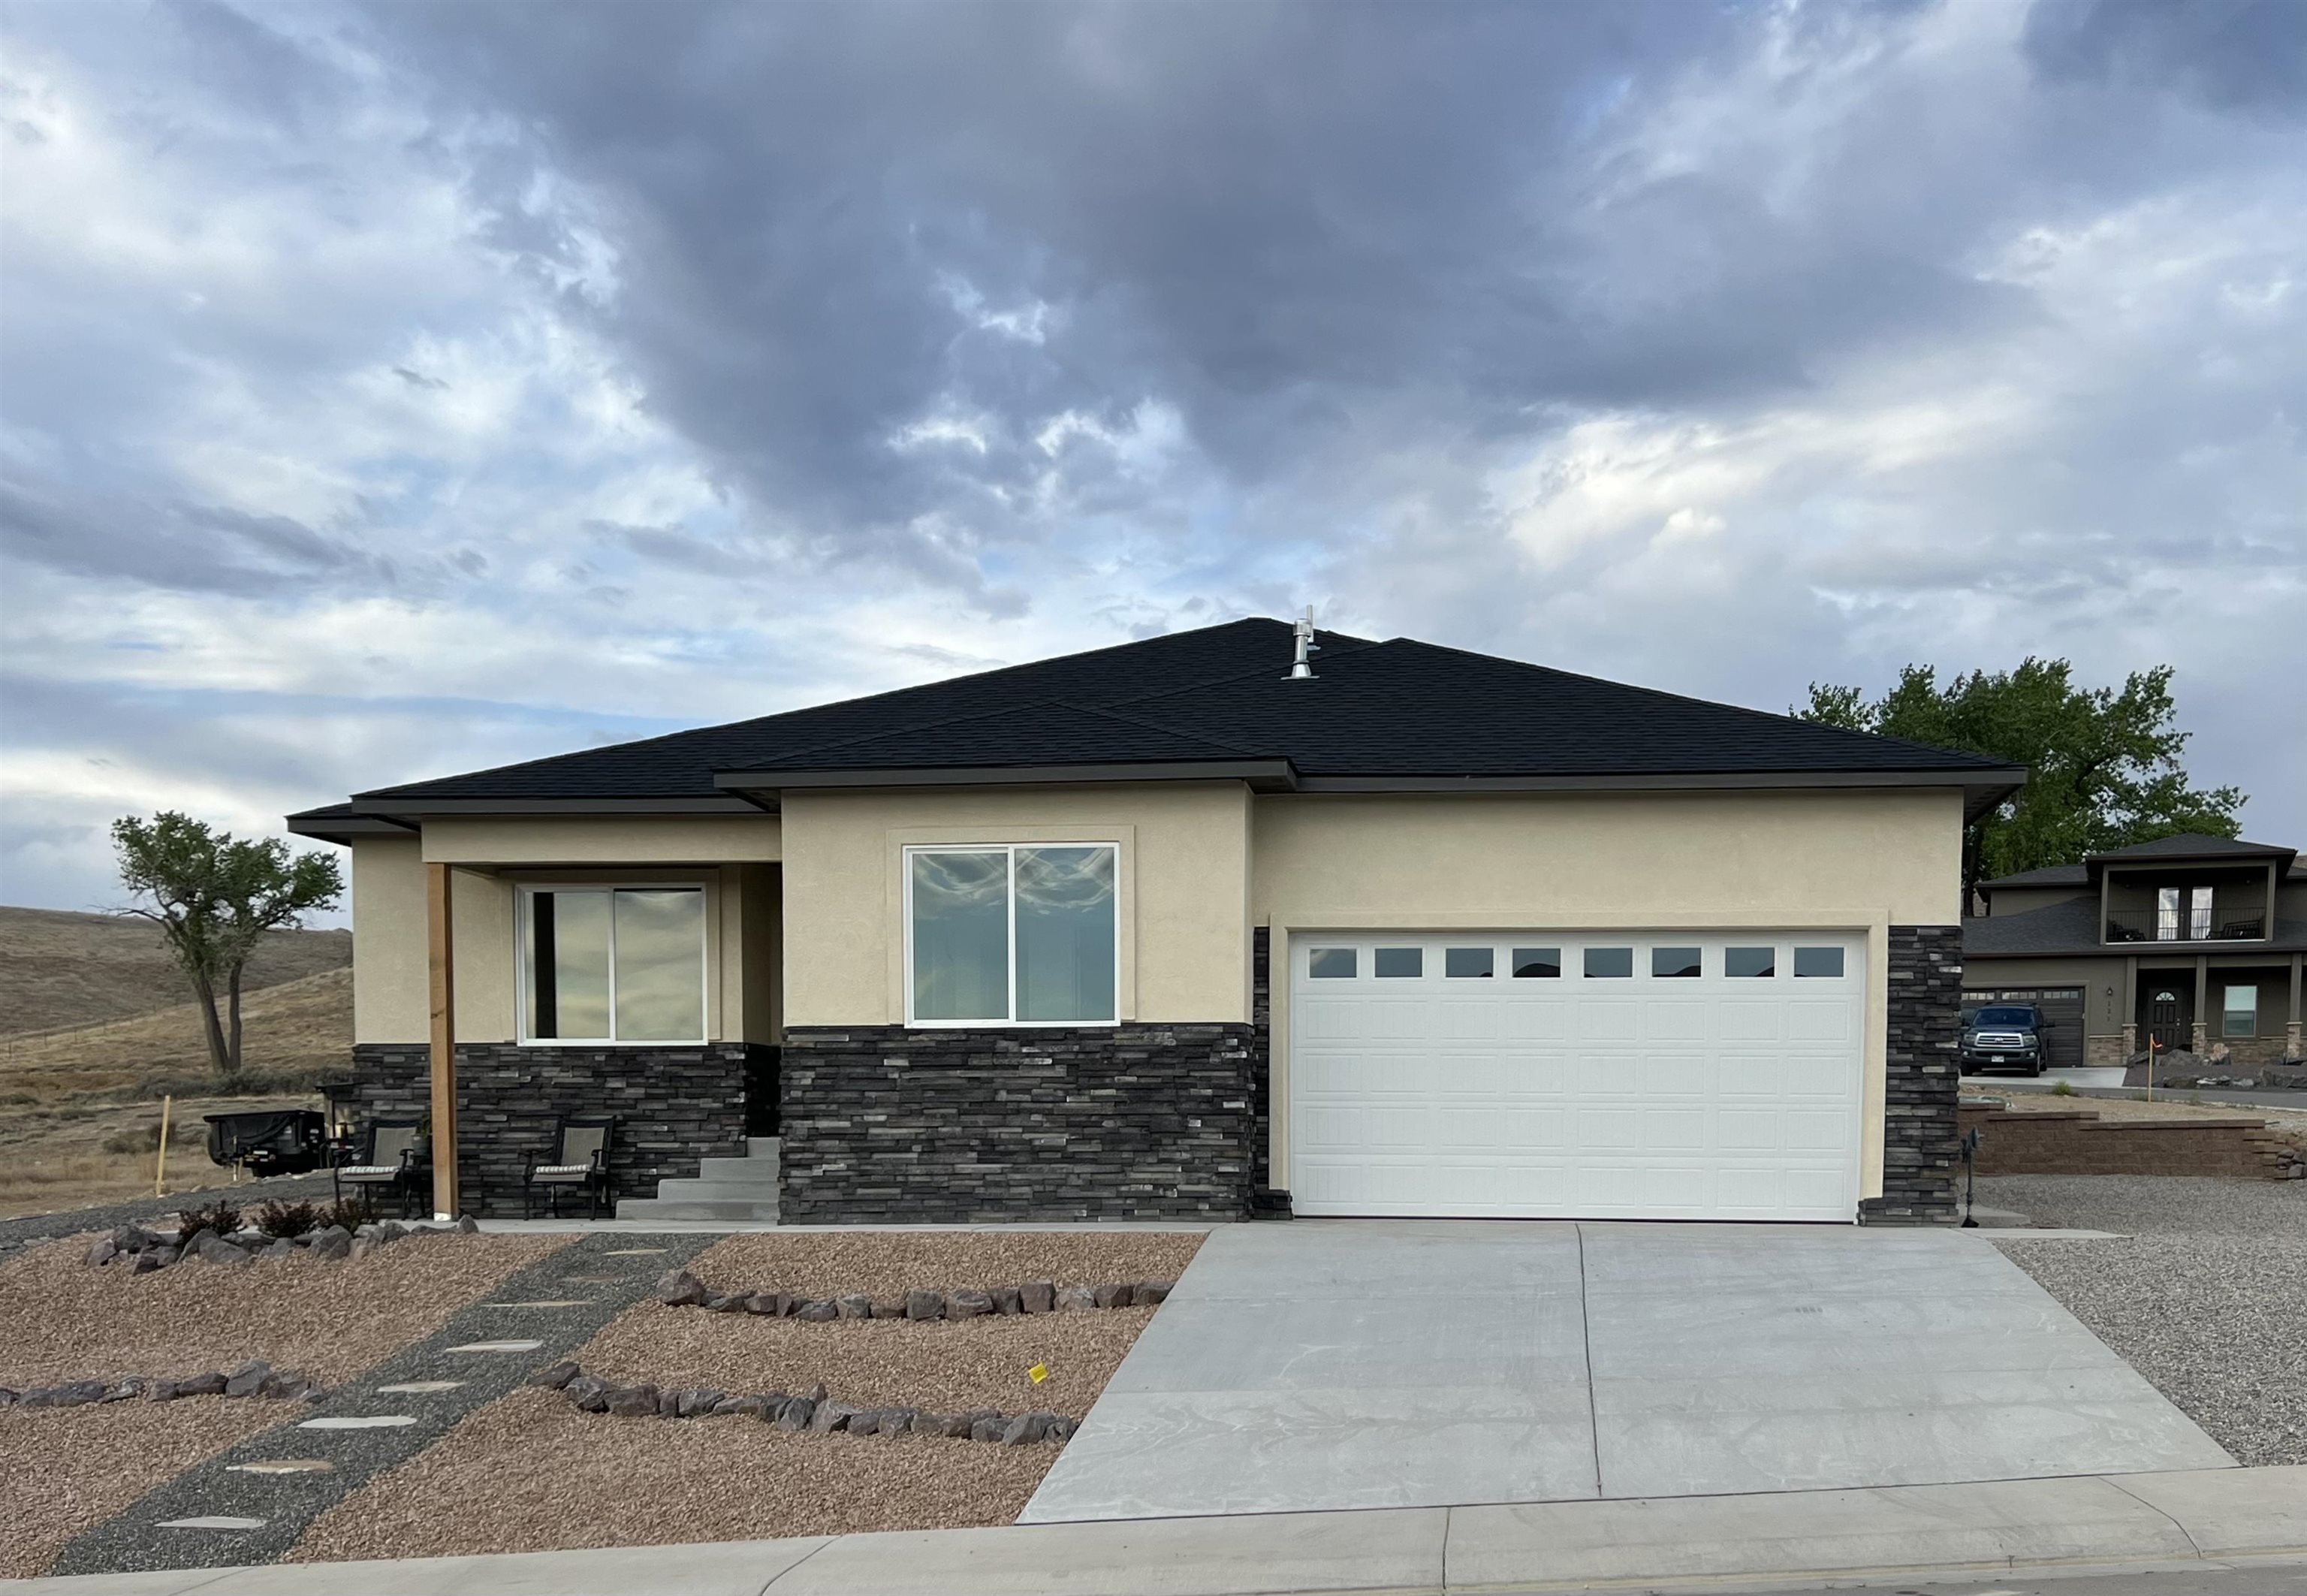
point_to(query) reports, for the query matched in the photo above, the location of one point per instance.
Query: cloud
(402, 388)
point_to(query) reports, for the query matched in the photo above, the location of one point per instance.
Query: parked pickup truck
(2005, 1037)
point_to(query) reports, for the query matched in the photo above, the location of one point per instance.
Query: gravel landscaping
(887, 1263)
(2205, 1293)
(62, 1320)
(530, 1474)
(64, 1470)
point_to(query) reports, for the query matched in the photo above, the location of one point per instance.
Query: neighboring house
(2193, 941)
(1172, 929)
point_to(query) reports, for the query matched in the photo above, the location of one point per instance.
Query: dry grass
(61, 1319)
(886, 1263)
(2288, 1124)
(642, 1482)
(64, 1470)
(57, 1159)
(298, 1028)
(59, 969)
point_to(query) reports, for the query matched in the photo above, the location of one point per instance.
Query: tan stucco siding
(1857, 861)
(603, 839)
(1183, 886)
(390, 992)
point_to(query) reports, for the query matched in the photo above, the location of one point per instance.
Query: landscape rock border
(680, 1289)
(811, 1412)
(252, 1379)
(147, 1250)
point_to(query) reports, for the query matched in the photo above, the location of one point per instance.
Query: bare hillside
(61, 969)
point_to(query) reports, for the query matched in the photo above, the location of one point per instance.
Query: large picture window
(1012, 934)
(613, 964)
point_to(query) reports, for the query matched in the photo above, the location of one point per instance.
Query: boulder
(126, 1390)
(333, 1242)
(749, 1407)
(680, 1289)
(153, 1257)
(1061, 1429)
(1039, 1296)
(798, 1413)
(557, 1378)
(160, 1391)
(100, 1251)
(282, 1248)
(632, 1401)
(817, 1312)
(968, 1305)
(696, 1404)
(286, 1388)
(988, 1429)
(7, 1397)
(1008, 1300)
(1111, 1296)
(668, 1404)
(248, 1379)
(855, 1305)
(212, 1384)
(955, 1425)
(828, 1416)
(467, 1225)
(1146, 1293)
(924, 1305)
(726, 1303)
(1026, 1428)
(216, 1249)
(131, 1238)
(73, 1393)
(774, 1305)
(589, 1393)
(1076, 1298)
(891, 1307)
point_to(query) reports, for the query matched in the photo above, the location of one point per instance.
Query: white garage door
(1607, 1074)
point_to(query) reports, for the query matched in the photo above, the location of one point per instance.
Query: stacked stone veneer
(882, 1124)
(673, 1105)
(1921, 1151)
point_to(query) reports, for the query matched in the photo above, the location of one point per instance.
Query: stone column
(2200, 1042)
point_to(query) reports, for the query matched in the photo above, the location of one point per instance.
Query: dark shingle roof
(2195, 845)
(1396, 708)
(2049, 875)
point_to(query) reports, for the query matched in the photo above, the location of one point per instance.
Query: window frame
(2229, 1013)
(1010, 852)
(525, 973)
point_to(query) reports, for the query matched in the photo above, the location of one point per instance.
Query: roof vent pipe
(1300, 671)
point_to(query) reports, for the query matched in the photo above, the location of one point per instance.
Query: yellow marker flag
(1038, 1373)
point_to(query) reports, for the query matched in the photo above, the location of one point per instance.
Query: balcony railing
(2147, 925)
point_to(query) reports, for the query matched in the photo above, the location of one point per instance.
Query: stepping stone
(212, 1521)
(284, 1465)
(419, 1387)
(634, 1252)
(588, 1280)
(554, 1303)
(498, 1346)
(366, 1422)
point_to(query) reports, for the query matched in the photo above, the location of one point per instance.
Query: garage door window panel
(1332, 964)
(1538, 964)
(1818, 964)
(1674, 963)
(1468, 964)
(1750, 963)
(1400, 964)
(1609, 963)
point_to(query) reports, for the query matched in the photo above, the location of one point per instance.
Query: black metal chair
(580, 1162)
(392, 1160)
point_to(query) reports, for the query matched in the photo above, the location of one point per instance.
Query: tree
(2104, 762)
(214, 896)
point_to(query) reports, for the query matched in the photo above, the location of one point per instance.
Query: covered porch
(2246, 1006)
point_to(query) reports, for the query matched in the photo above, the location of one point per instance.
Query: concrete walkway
(1327, 1365)
(2191, 1521)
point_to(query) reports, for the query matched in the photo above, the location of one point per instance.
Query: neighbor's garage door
(1607, 1076)
(2061, 1005)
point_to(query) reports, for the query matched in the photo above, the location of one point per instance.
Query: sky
(397, 389)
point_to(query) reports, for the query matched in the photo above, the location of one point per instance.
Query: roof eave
(1982, 789)
(337, 825)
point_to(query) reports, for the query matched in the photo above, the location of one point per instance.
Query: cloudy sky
(397, 390)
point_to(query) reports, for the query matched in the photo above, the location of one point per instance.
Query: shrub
(288, 1219)
(143, 1138)
(2063, 1089)
(349, 1211)
(223, 1218)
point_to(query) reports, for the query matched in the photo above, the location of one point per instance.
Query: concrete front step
(671, 1208)
(741, 1189)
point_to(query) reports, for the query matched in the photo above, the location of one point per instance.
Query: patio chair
(391, 1162)
(580, 1162)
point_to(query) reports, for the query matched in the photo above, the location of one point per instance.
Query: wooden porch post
(2293, 1040)
(441, 960)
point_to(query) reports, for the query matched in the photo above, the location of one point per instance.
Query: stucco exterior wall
(1857, 862)
(496, 840)
(1184, 887)
(392, 992)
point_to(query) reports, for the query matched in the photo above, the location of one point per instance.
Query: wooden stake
(442, 958)
(161, 1167)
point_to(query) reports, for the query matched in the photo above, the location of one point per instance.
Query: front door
(2170, 1014)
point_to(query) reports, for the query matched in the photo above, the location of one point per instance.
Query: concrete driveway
(1403, 1363)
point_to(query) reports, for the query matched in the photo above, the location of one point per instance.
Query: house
(2193, 942)
(1192, 928)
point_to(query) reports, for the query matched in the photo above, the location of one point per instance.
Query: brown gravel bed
(64, 1470)
(947, 1365)
(530, 1474)
(881, 1263)
(61, 1319)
